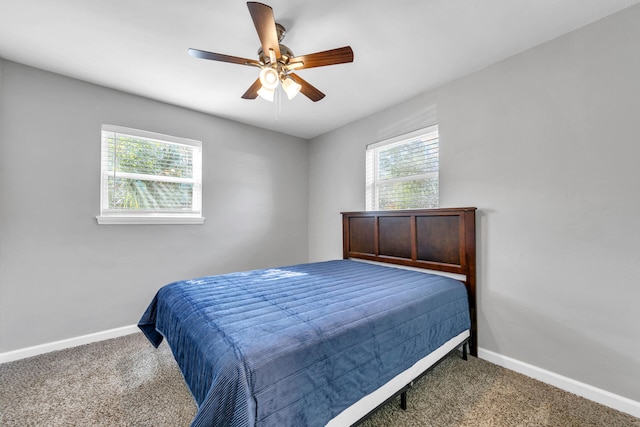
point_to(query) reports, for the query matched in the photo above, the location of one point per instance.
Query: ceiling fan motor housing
(285, 52)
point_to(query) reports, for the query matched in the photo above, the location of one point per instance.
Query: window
(149, 178)
(402, 172)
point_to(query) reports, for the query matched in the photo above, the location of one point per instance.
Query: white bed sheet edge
(456, 276)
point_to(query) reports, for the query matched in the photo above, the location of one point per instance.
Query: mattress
(297, 345)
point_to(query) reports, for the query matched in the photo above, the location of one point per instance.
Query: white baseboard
(23, 353)
(587, 391)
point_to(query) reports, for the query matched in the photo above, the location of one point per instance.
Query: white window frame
(372, 162)
(120, 216)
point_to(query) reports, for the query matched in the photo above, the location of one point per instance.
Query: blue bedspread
(294, 346)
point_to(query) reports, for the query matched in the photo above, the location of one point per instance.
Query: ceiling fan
(276, 61)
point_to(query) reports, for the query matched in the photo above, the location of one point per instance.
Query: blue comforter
(294, 346)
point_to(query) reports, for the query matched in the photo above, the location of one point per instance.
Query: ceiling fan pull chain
(278, 103)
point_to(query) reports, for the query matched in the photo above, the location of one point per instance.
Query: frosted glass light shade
(269, 78)
(290, 87)
(266, 94)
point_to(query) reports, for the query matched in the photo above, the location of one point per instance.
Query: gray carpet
(126, 382)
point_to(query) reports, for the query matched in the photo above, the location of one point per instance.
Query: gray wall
(546, 145)
(61, 274)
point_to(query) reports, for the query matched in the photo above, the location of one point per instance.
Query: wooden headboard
(434, 239)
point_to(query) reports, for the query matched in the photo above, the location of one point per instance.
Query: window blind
(150, 175)
(403, 172)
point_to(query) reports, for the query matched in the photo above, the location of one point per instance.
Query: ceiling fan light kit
(276, 61)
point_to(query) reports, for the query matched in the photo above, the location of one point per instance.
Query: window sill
(153, 220)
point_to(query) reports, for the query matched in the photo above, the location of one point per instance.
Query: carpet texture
(126, 382)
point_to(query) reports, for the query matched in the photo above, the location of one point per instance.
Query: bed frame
(443, 240)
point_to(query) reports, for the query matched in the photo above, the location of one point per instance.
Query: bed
(325, 343)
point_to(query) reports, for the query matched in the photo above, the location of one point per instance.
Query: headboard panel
(434, 239)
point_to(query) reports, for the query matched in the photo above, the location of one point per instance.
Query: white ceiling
(401, 48)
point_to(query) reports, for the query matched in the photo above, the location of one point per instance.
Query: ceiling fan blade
(222, 58)
(307, 89)
(340, 55)
(265, 24)
(252, 92)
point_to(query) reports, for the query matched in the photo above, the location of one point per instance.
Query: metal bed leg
(464, 350)
(403, 400)
(403, 396)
